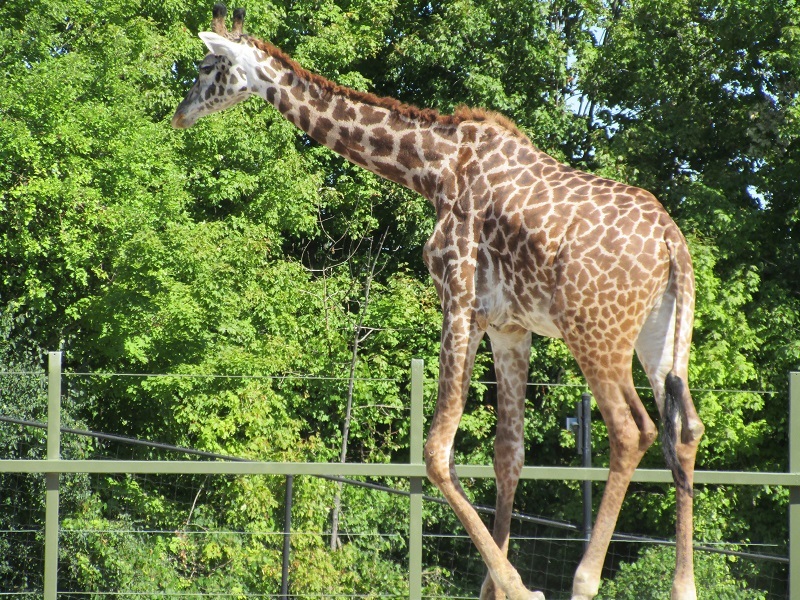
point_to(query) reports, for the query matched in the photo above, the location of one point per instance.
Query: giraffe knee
(647, 435)
(437, 463)
(629, 440)
(686, 449)
(692, 431)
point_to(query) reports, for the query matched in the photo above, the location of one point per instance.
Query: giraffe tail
(673, 410)
(681, 287)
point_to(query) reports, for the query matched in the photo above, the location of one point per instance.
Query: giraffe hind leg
(630, 432)
(681, 430)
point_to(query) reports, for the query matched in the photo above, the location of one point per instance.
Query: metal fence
(414, 471)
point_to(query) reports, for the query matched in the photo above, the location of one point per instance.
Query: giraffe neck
(410, 146)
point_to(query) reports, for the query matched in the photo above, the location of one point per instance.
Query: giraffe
(522, 244)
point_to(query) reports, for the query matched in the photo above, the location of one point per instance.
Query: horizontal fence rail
(379, 470)
(53, 466)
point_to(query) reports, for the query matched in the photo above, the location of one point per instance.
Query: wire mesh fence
(109, 549)
(21, 533)
(133, 535)
(547, 553)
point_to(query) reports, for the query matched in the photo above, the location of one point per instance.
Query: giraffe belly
(539, 322)
(503, 309)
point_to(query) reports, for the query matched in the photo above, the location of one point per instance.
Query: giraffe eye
(206, 69)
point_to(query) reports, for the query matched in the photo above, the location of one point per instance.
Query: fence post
(287, 531)
(794, 492)
(586, 451)
(51, 479)
(415, 458)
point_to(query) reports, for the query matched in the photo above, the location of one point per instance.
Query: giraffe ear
(217, 44)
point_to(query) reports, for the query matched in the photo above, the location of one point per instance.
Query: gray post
(415, 509)
(586, 451)
(51, 479)
(287, 530)
(794, 492)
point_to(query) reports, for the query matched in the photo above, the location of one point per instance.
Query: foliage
(242, 248)
(653, 572)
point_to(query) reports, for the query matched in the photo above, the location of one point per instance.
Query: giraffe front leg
(460, 338)
(511, 351)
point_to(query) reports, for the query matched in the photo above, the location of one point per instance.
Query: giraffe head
(222, 79)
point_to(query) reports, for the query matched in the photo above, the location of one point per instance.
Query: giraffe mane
(461, 114)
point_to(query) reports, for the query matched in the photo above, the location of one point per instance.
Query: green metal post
(794, 491)
(51, 479)
(415, 510)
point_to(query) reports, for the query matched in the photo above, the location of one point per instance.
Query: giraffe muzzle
(179, 120)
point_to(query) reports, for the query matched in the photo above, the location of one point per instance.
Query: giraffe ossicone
(522, 244)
